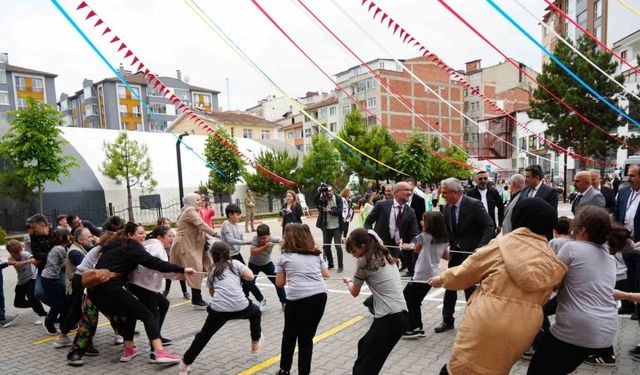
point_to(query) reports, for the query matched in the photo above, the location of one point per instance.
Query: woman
(347, 210)
(121, 257)
(516, 274)
(301, 267)
(587, 314)
(188, 249)
(54, 279)
(206, 212)
(291, 211)
(380, 271)
(366, 209)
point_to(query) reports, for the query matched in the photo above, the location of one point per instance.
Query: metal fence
(14, 218)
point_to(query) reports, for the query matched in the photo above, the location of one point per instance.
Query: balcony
(130, 114)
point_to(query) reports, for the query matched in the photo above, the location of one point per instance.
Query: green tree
(413, 158)
(218, 153)
(32, 151)
(441, 168)
(322, 163)
(127, 161)
(564, 126)
(278, 162)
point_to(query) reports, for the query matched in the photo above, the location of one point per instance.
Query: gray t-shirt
(232, 234)
(227, 291)
(55, 261)
(264, 257)
(429, 257)
(557, 243)
(28, 272)
(89, 261)
(304, 274)
(385, 286)
(587, 315)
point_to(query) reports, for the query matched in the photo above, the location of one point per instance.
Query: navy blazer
(380, 217)
(621, 210)
(475, 228)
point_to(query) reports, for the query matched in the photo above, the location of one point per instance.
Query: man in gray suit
(587, 195)
(516, 184)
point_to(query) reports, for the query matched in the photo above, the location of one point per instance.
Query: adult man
(75, 222)
(39, 233)
(249, 210)
(536, 188)
(587, 195)
(516, 184)
(388, 192)
(489, 197)
(330, 221)
(607, 192)
(417, 201)
(469, 227)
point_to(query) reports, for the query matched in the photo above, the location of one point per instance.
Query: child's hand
(189, 271)
(346, 280)
(435, 282)
(248, 242)
(11, 262)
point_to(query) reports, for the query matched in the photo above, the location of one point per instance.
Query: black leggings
(556, 357)
(112, 298)
(248, 286)
(167, 286)
(25, 298)
(75, 309)
(154, 301)
(215, 321)
(376, 345)
(414, 293)
(301, 319)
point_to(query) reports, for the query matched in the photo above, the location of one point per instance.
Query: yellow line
(330, 332)
(53, 338)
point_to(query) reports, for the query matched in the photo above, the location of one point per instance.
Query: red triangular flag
(129, 53)
(140, 66)
(364, 1)
(401, 32)
(107, 30)
(135, 60)
(181, 105)
(157, 84)
(82, 5)
(421, 48)
(98, 23)
(146, 71)
(405, 37)
(390, 22)
(371, 6)
(122, 46)
(91, 14)
(395, 28)
(384, 15)
(115, 39)
(378, 10)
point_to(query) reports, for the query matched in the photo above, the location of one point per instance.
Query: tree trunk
(129, 202)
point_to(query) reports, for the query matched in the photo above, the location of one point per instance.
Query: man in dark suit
(419, 206)
(607, 192)
(536, 188)
(489, 197)
(469, 227)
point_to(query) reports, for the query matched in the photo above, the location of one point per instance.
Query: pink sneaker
(129, 353)
(164, 357)
(184, 369)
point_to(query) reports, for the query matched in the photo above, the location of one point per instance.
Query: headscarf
(535, 214)
(190, 200)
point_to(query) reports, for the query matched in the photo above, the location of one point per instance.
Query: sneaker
(283, 372)
(420, 333)
(635, 351)
(50, 328)
(129, 353)
(256, 345)
(118, 340)
(91, 351)
(340, 269)
(596, 360)
(165, 341)
(200, 305)
(165, 293)
(164, 357)
(9, 320)
(62, 342)
(74, 358)
(38, 321)
(284, 305)
(636, 357)
(410, 335)
(262, 304)
(186, 296)
(184, 369)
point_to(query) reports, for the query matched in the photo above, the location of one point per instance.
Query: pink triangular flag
(115, 39)
(107, 30)
(82, 5)
(98, 23)
(122, 46)
(91, 14)
(129, 53)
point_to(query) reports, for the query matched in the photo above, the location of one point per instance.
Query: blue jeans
(56, 293)
(270, 270)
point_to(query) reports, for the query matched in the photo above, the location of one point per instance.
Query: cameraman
(330, 222)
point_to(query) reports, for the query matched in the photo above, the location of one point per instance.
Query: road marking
(53, 338)
(276, 358)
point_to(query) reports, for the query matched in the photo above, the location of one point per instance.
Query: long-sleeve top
(40, 248)
(232, 235)
(55, 262)
(124, 256)
(148, 278)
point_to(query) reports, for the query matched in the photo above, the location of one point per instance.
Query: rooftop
(19, 69)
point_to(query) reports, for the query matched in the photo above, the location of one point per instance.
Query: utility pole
(180, 187)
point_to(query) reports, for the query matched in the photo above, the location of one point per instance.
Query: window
(372, 84)
(153, 91)
(22, 104)
(123, 110)
(322, 113)
(136, 111)
(332, 110)
(597, 32)
(182, 94)
(4, 118)
(362, 86)
(372, 103)
(291, 135)
(623, 54)
(3, 76)
(333, 126)
(307, 132)
(346, 109)
(122, 92)
(265, 134)
(233, 132)
(582, 19)
(156, 125)
(91, 110)
(4, 98)
(160, 109)
(466, 92)
(20, 84)
(247, 133)
(597, 9)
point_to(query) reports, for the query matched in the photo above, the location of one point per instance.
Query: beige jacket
(188, 246)
(517, 274)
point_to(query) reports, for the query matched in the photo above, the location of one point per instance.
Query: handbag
(91, 278)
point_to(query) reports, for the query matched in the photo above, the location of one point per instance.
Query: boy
(561, 234)
(260, 261)
(6, 320)
(25, 285)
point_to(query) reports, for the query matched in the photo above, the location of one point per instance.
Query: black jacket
(493, 200)
(335, 211)
(609, 198)
(475, 228)
(546, 193)
(419, 207)
(40, 248)
(295, 216)
(380, 216)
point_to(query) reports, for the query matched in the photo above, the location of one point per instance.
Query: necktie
(532, 193)
(576, 201)
(399, 217)
(454, 218)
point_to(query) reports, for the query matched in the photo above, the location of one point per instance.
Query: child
(26, 283)
(260, 261)
(561, 234)
(6, 320)
(228, 303)
(379, 269)
(431, 246)
(302, 267)
(232, 234)
(54, 279)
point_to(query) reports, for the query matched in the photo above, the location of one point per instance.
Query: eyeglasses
(483, 178)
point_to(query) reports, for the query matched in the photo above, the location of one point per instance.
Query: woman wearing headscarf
(517, 274)
(188, 249)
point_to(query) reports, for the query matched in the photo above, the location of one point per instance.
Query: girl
(291, 211)
(146, 284)
(228, 303)
(376, 266)
(366, 209)
(53, 279)
(587, 315)
(347, 210)
(302, 267)
(431, 246)
(206, 213)
(121, 257)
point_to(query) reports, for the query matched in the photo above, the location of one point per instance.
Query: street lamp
(180, 187)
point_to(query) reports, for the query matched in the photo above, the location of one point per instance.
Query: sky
(166, 35)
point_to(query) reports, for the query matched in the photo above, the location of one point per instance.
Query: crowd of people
(517, 262)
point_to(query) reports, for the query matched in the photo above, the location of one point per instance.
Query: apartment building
(236, 124)
(17, 83)
(326, 113)
(108, 104)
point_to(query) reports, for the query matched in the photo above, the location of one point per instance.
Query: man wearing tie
(587, 195)
(469, 227)
(536, 188)
(516, 184)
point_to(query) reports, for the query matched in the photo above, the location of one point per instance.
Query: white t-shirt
(429, 257)
(227, 289)
(483, 198)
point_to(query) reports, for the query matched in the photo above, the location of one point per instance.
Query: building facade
(236, 124)
(18, 83)
(326, 113)
(108, 104)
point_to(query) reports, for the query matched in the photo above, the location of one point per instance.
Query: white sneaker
(262, 304)
(38, 322)
(61, 342)
(9, 319)
(184, 369)
(256, 345)
(118, 340)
